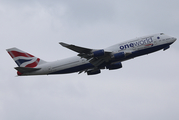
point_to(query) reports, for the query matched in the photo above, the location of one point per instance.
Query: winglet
(63, 44)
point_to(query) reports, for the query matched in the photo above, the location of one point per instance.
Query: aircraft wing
(87, 53)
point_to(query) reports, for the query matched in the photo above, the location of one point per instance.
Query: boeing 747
(90, 61)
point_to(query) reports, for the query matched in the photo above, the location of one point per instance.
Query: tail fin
(24, 59)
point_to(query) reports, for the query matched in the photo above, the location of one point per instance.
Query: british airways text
(138, 43)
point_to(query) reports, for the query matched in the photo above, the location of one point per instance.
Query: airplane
(90, 61)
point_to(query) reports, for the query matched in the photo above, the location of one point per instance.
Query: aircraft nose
(174, 39)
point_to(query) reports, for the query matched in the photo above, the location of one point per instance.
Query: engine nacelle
(93, 72)
(114, 66)
(98, 53)
(119, 55)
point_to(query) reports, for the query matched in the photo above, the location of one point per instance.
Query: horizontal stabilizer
(26, 69)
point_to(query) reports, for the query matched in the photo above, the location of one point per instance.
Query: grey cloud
(145, 88)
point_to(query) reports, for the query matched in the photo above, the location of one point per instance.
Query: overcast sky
(145, 88)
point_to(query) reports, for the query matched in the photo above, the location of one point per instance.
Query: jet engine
(93, 72)
(98, 53)
(114, 66)
(120, 55)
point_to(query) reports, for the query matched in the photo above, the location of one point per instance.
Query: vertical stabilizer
(24, 59)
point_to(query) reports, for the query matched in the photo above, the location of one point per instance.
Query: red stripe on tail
(19, 73)
(14, 54)
(34, 64)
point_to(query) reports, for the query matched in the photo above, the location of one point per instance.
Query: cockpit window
(161, 33)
